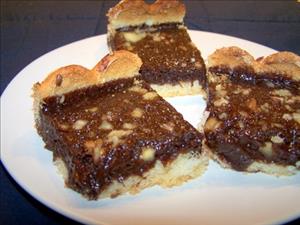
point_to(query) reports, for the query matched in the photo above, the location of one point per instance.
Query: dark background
(30, 29)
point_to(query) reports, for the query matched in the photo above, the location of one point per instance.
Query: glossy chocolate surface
(252, 118)
(167, 53)
(110, 132)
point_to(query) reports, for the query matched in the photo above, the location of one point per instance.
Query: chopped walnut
(129, 126)
(219, 87)
(79, 124)
(223, 116)
(94, 148)
(287, 116)
(168, 126)
(221, 101)
(147, 154)
(105, 125)
(98, 152)
(93, 109)
(266, 150)
(138, 89)
(133, 36)
(157, 37)
(296, 117)
(276, 139)
(241, 124)
(265, 107)
(150, 95)
(137, 112)
(115, 136)
(62, 99)
(282, 92)
(63, 127)
(246, 91)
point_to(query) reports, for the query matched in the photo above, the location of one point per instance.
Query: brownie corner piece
(112, 133)
(254, 108)
(172, 64)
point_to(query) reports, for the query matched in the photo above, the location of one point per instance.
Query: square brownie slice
(254, 111)
(172, 64)
(111, 133)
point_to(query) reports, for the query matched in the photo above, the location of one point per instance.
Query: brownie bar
(254, 111)
(170, 59)
(114, 135)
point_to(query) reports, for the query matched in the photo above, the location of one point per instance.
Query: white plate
(218, 197)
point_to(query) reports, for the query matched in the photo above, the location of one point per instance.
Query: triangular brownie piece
(111, 133)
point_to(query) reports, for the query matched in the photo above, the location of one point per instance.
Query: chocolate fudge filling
(166, 50)
(252, 119)
(153, 28)
(113, 131)
(248, 75)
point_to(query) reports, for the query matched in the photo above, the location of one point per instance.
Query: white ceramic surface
(218, 197)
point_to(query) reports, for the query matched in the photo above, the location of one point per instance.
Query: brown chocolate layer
(110, 132)
(153, 28)
(167, 53)
(247, 75)
(252, 118)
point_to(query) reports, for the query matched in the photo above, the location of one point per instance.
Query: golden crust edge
(138, 12)
(285, 63)
(185, 167)
(73, 77)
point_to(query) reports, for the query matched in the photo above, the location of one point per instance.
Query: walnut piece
(137, 113)
(147, 154)
(150, 95)
(79, 124)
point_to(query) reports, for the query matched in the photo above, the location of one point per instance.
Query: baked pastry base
(185, 167)
(182, 89)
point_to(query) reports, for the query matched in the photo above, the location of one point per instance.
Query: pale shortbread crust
(183, 168)
(184, 88)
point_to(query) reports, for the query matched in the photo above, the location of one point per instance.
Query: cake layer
(111, 135)
(254, 111)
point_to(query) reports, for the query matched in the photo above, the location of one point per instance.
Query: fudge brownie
(172, 64)
(254, 111)
(111, 133)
